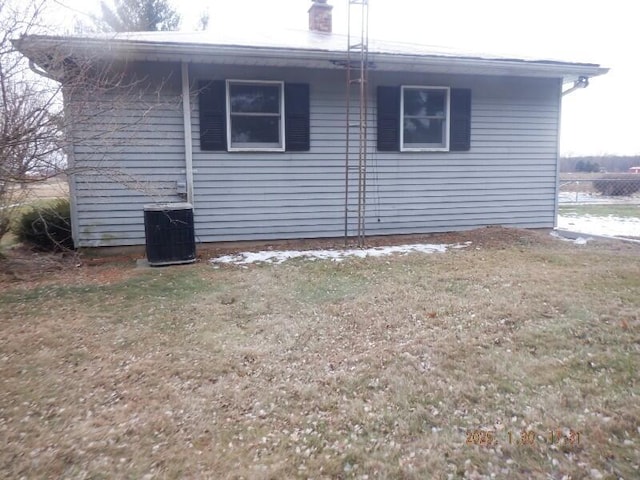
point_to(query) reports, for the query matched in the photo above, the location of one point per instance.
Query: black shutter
(213, 115)
(297, 125)
(460, 137)
(388, 121)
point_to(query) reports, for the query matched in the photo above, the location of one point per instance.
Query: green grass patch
(624, 211)
(155, 286)
(326, 282)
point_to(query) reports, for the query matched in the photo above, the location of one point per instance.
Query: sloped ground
(385, 367)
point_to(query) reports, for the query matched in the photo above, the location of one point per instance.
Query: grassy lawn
(617, 210)
(370, 368)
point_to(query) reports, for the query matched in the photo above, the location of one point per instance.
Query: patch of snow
(577, 241)
(610, 225)
(279, 256)
(13, 205)
(586, 198)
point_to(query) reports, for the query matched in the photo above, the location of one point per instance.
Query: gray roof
(296, 48)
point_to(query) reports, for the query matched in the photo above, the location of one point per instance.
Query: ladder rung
(357, 46)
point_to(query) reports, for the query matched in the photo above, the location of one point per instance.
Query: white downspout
(581, 82)
(188, 147)
(556, 203)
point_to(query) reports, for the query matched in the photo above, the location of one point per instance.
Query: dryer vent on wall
(169, 233)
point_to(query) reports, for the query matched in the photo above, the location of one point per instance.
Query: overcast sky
(600, 119)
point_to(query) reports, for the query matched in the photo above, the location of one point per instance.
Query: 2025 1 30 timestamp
(524, 437)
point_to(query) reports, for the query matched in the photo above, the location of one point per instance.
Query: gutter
(248, 55)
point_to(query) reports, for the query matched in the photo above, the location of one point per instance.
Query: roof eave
(289, 57)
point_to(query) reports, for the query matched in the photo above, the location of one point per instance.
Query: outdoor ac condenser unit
(169, 233)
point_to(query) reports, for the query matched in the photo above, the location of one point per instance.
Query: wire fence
(600, 204)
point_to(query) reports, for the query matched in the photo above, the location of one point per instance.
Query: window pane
(255, 130)
(247, 98)
(427, 132)
(424, 102)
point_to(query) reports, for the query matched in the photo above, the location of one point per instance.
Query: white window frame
(282, 146)
(447, 125)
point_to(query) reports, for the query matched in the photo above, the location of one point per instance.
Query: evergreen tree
(138, 16)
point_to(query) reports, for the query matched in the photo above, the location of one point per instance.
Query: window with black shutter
(423, 119)
(255, 116)
(246, 115)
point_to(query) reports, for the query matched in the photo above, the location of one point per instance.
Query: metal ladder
(357, 98)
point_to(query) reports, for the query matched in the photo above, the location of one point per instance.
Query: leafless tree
(36, 126)
(30, 112)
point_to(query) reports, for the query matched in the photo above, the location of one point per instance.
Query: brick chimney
(320, 16)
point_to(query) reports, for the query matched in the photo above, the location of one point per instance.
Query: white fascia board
(478, 66)
(223, 54)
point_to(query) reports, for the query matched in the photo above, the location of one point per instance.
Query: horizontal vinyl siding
(129, 149)
(507, 178)
(280, 176)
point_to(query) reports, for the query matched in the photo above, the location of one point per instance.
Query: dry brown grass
(372, 368)
(56, 187)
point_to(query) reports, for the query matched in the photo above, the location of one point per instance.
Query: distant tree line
(606, 163)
